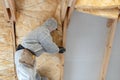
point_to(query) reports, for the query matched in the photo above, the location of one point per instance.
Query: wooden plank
(110, 38)
(71, 9)
(110, 22)
(6, 50)
(14, 35)
(9, 10)
(65, 24)
(70, 3)
(64, 5)
(5, 9)
(119, 16)
(14, 45)
(67, 20)
(12, 9)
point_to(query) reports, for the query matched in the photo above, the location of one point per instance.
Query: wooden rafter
(112, 28)
(9, 10)
(71, 9)
(14, 44)
(64, 6)
(69, 12)
(5, 8)
(65, 24)
(12, 9)
(9, 13)
(14, 36)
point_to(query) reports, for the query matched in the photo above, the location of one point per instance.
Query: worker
(34, 44)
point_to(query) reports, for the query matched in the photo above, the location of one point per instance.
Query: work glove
(27, 59)
(62, 49)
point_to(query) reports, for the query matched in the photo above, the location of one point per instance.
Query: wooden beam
(14, 44)
(12, 9)
(110, 22)
(110, 38)
(9, 10)
(5, 9)
(66, 21)
(119, 16)
(14, 36)
(71, 9)
(64, 6)
(65, 24)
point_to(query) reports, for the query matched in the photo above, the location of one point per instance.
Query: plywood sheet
(107, 13)
(97, 4)
(6, 50)
(31, 14)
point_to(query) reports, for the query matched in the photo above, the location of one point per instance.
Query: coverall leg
(24, 72)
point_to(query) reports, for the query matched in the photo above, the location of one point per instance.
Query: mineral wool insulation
(6, 49)
(104, 8)
(30, 14)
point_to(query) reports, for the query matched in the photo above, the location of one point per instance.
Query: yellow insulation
(6, 49)
(104, 8)
(107, 13)
(97, 4)
(32, 14)
(51, 66)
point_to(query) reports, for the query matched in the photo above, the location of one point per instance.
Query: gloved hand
(62, 49)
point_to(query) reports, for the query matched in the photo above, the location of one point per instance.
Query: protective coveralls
(37, 42)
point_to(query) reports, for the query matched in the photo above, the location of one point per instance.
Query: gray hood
(51, 24)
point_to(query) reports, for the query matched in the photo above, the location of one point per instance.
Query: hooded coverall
(38, 41)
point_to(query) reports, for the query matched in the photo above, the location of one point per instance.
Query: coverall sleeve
(49, 46)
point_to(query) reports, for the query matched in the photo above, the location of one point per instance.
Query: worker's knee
(28, 59)
(17, 56)
(25, 57)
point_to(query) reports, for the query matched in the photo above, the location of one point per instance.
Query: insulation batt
(108, 13)
(97, 4)
(51, 66)
(104, 8)
(31, 14)
(6, 49)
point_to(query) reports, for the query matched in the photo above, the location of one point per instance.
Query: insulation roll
(107, 13)
(32, 14)
(97, 4)
(104, 8)
(51, 66)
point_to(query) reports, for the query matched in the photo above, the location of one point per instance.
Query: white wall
(86, 38)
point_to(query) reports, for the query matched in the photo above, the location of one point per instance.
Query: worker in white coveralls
(37, 42)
